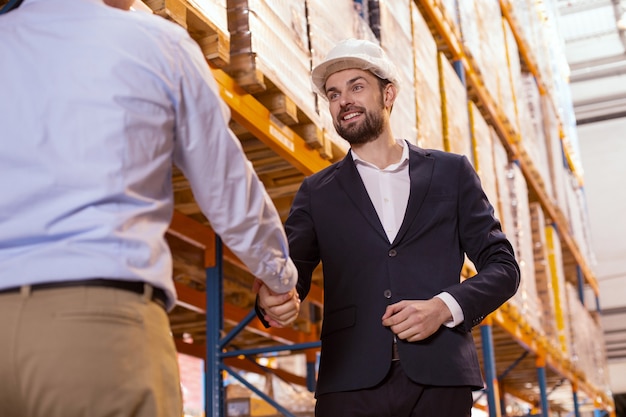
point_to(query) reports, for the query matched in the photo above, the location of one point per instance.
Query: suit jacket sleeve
(487, 247)
(304, 250)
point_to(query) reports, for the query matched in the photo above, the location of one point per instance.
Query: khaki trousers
(86, 352)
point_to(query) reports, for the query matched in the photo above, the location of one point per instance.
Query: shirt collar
(404, 159)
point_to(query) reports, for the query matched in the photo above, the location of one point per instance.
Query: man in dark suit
(391, 224)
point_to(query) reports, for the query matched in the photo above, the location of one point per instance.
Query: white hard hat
(354, 53)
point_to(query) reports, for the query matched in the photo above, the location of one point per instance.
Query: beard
(366, 131)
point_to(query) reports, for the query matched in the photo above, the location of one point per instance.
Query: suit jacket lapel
(420, 171)
(351, 182)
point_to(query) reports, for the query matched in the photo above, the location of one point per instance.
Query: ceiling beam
(584, 65)
(583, 7)
(590, 73)
(600, 118)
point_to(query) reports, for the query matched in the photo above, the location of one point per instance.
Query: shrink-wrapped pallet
(456, 135)
(397, 42)
(516, 223)
(205, 20)
(526, 298)
(482, 144)
(556, 157)
(483, 38)
(510, 88)
(533, 137)
(555, 263)
(272, 42)
(215, 10)
(331, 21)
(543, 274)
(579, 218)
(450, 10)
(505, 206)
(588, 355)
(428, 96)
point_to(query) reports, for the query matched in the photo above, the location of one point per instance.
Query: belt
(158, 295)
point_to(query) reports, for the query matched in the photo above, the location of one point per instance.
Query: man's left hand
(415, 320)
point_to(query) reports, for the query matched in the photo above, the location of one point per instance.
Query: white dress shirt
(96, 104)
(389, 189)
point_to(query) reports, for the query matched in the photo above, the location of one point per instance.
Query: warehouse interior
(452, 68)
(594, 38)
(554, 165)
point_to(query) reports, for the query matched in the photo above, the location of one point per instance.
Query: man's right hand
(280, 310)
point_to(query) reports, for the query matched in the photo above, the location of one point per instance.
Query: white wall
(603, 154)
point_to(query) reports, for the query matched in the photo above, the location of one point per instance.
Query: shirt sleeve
(223, 180)
(455, 309)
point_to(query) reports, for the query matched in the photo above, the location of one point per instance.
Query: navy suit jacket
(332, 220)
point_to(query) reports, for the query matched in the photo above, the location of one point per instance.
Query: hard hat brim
(320, 73)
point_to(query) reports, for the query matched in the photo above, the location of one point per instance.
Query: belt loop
(25, 291)
(147, 292)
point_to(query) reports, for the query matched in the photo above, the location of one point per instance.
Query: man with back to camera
(391, 224)
(96, 103)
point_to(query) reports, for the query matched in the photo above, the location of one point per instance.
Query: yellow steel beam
(432, 10)
(508, 318)
(257, 119)
(528, 58)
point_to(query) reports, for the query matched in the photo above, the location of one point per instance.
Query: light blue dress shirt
(96, 104)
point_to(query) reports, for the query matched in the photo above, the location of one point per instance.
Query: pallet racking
(213, 320)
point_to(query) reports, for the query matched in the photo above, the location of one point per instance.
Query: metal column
(543, 391)
(214, 388)
(575, 395)
(490, 370)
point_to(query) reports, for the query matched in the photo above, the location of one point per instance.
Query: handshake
(279, 310)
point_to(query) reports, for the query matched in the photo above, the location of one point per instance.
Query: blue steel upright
(214, 387)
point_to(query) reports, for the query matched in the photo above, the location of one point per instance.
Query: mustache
(350, 109)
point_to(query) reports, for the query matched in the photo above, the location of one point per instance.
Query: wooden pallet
(214, 43)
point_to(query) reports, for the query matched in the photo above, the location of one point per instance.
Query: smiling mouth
(350, 116)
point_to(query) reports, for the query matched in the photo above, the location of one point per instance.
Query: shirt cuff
(455, 309)
(286, 280)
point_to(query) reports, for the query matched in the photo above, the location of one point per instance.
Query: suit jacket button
(392, 253)
(387, 294)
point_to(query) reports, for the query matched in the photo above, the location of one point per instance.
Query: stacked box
(556, 158)
(579, 218)
(258, 32)
(397, 41)
(483, 38)
(516, 224)
(588, 355)
(331, 21)
(504, 203)
(450, 9)
(526, 297)
(555, 263)
(543, 276)
(511, 89)
(429, 120)
(215, 10)
(456, 135)
(533, 136)
(205, 20)
(482, 143)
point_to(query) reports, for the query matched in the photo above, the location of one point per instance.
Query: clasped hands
(280, 310)
(415, 320)
(410, 320)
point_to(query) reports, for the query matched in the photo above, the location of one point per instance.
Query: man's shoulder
(158, 26)
(438, 155)
(326, 174)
